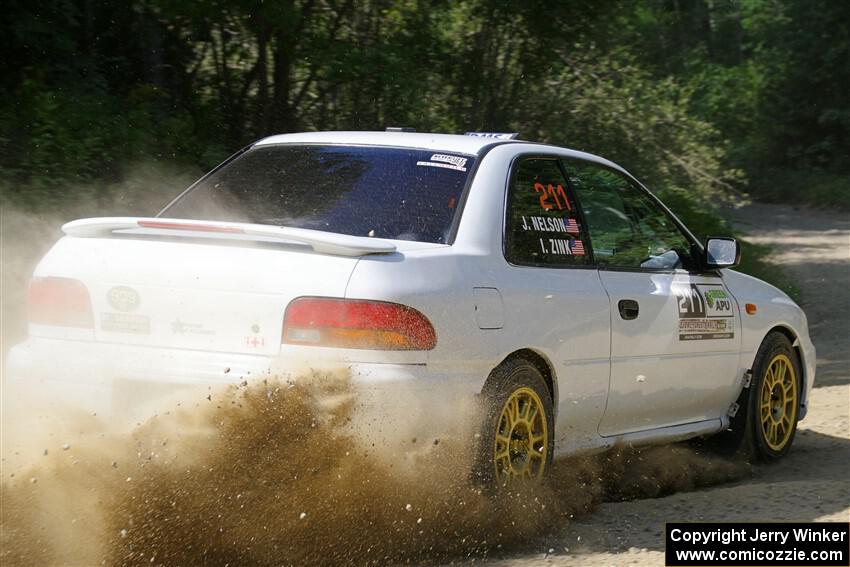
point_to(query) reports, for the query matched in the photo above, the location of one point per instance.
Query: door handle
(629, 309)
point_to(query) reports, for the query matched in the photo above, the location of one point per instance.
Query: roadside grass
(818, 188)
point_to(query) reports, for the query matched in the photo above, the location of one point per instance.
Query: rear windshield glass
(397, 193)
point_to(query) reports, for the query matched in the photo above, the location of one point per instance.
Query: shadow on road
(802, 487)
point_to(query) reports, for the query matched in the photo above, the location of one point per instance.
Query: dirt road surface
(813, 482)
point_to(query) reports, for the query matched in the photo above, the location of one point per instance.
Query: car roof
(428, 141)
(446, 142)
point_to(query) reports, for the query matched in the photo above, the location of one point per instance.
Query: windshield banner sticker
(705, 312)
(454, 160)
(446, 162)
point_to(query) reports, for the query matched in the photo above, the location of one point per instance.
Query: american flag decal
(572, 226)
(577, 247)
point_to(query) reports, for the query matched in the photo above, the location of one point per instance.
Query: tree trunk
(261, 105)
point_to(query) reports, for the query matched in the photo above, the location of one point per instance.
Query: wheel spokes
(769, 378)
(778, 402)
(532, 413)
(520, 445)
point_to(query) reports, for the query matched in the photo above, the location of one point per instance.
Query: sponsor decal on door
(705, 312)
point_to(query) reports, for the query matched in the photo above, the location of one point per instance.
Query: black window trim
(670, 215)
(515, 161)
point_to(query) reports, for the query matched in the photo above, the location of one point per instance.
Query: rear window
(384, 192)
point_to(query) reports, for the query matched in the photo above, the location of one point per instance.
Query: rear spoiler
(324, 242)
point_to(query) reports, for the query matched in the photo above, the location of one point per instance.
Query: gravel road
(813, 482)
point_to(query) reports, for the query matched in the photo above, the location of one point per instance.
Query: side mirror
(722, 252)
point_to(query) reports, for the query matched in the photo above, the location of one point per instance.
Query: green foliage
(701, 218)
(770, 75)
(55, 138)
(702, 100)
(610, 106)
(803, 114)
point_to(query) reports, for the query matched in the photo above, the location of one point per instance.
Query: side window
(542, 227)
(627, 228)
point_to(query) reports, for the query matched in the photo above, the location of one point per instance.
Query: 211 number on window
(557, 193)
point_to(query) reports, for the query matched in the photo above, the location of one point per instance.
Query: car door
(674, 329)
(554, 300)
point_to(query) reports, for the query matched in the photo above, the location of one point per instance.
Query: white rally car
(548, 282)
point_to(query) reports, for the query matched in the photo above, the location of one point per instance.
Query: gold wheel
(778, 402)
(521, 445)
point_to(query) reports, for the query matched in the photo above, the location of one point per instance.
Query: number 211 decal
(557, 193)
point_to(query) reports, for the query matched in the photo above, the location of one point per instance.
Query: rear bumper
(136, 382)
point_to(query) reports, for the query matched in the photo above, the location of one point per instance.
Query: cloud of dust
(27, 231)
(29, 225)
(267, 473)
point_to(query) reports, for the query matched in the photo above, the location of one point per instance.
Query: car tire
(517, 432)
(766, 422)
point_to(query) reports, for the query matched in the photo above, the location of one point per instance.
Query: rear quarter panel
(438, 283)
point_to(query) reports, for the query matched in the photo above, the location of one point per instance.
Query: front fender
(775, 311)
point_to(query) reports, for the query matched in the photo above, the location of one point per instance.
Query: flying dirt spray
(269, 473)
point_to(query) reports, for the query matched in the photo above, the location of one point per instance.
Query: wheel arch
(794, 339)
(792, 336)
(543, 365)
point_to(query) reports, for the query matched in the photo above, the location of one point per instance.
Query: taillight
(60, 302)
(351, 323)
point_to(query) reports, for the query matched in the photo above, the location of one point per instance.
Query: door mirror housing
(722, 252)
